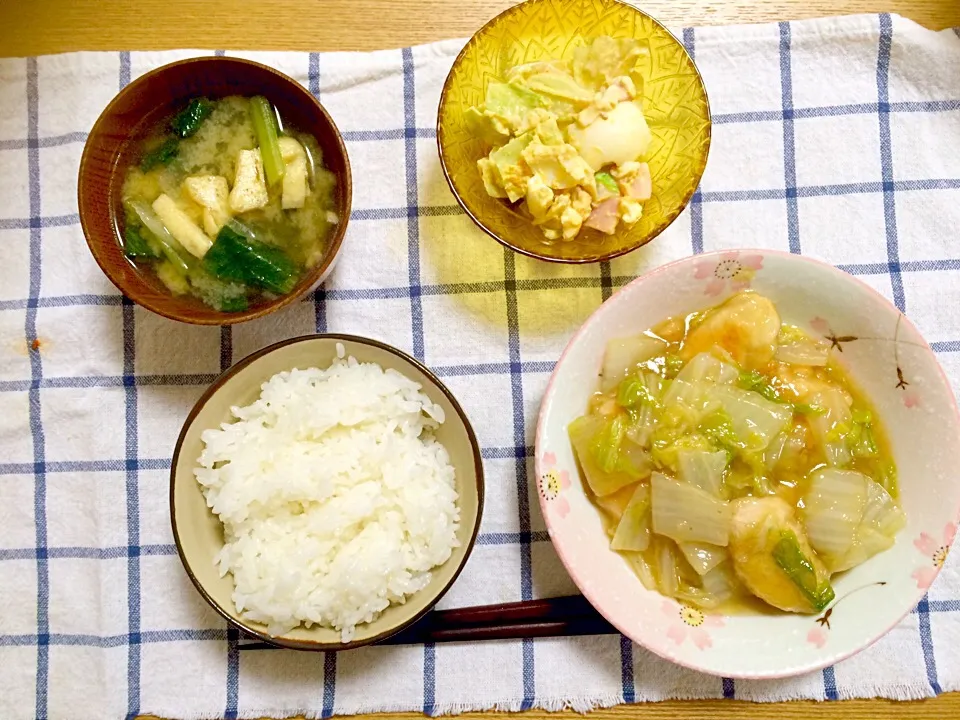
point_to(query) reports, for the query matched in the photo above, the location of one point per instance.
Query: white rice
(335, 498)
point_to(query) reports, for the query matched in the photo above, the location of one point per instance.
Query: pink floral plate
(889, 361)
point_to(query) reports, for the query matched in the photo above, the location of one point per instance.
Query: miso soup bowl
(198, 533)
(889, 361)
(114, 142)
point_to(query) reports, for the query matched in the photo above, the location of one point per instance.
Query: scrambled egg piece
(620, 90)
(582, 202)
(534, 118)
(630, 210)
(539, 196)
(514, 180)
(626, 174)
(559, 166)
(570, 221)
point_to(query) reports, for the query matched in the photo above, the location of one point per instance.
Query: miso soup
(227, 203)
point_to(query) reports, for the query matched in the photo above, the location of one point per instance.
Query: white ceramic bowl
(886, 357)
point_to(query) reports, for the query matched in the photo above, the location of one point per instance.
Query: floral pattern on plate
(735, 270)
(552, 482)
(937, 550)
(690, 622)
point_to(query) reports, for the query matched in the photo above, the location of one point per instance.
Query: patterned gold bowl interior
(674, 102)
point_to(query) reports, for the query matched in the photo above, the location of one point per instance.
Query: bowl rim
(215, 387)
(588, 592)
(316, 275)
(530, 253)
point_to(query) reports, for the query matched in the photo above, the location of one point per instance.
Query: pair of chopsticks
(551, 617)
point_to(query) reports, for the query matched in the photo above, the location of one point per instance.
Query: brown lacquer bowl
(114, 142)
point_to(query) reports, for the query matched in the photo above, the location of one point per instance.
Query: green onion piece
(867, 447)
(161, 155)
(135, 245)
(788, 555)
(170, 247)
(808, 409)
(756, 382)
(606, 179)
(239, 258)
(887, 476)
(188, 121)
(266, 128)
(863, 417)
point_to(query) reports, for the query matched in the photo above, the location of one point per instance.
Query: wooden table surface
(49, 26)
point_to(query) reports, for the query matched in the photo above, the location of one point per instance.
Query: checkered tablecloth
(837, 138)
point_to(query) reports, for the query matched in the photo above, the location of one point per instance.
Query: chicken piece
(773, 558)
(249, 187)
(294, 191)
(746, 326)
(211, 192)
(184, 230)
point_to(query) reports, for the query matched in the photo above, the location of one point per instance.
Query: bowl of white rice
(325, 492)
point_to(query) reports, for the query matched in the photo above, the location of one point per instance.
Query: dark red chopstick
(551, 617)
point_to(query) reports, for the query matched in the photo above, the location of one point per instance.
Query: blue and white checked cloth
(837, 138)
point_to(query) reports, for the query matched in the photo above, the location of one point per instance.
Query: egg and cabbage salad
(569, 138)
(733, 462)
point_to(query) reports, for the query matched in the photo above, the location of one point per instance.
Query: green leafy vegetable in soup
(227, 203)
(732, 460)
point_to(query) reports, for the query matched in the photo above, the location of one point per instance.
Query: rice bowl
(290, 594)
(335, 496)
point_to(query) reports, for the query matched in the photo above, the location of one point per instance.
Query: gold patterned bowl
(674, 103)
